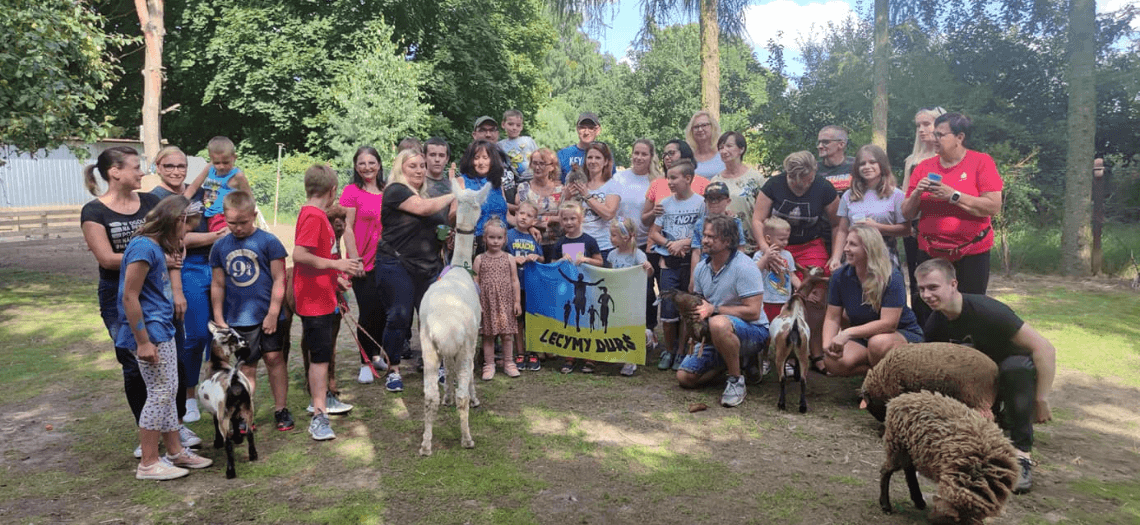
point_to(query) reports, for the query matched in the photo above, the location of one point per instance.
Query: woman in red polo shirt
(957, 192)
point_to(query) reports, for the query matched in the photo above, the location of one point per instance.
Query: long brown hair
(886, 178)
(162, 222)
(114, 157)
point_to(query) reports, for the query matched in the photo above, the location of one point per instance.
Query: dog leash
(353, 326)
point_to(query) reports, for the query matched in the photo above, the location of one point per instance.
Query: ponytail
(110, 158)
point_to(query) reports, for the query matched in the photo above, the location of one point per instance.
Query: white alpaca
(449, 323)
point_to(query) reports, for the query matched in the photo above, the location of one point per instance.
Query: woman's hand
(833, 264)
(147, 352)
(835, 349)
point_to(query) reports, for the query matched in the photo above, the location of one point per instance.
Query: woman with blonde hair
(924, 143)
(701, 134)
(872, 295)
(873, 200)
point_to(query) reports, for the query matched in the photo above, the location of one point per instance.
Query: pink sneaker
(511, 370)
(188, 459)
(489, 372)
(160, 470)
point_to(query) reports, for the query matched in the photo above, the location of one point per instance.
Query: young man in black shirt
(1026, 360)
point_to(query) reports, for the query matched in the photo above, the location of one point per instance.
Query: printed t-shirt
(807, 213)
(679, 218)
(777, 287)
(742, 193)
(839, 176)
(156, 298)
(585, 244)
(521, 243)
(592, 223)
(119, 227)
(249, 276)
(882, 211)
(518, 150)
(314, 290)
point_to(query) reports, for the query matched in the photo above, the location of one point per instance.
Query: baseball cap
(590, 116)
(483, 120)
(716, 190)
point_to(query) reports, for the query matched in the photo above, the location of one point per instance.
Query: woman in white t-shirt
(874, 200)
(600, 194)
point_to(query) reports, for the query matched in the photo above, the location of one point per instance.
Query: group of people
(696, 217)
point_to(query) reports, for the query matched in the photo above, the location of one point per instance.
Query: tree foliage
(56, 66)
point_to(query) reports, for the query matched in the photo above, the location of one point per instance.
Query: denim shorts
(673, 279)
(752, 338)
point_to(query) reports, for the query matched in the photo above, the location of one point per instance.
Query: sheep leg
(230, 472)
(885, 488)
(431, 390)
(912, 484)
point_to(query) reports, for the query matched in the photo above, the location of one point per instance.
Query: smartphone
(934, 177)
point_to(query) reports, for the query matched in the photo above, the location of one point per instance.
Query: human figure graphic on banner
(604, 302)
(593, 311)
(579, 295)
(566, 314)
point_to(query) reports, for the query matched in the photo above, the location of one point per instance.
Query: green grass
(1036, 250)
(1124, 494)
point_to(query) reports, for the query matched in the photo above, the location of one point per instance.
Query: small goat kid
(449, 323)
(225, 392)
(790, 333)
(691, 330)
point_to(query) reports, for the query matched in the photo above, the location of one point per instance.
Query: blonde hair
(775, 224)
(547, 155)
(240, 201)
(530, 205)
(167, 151)
(572, 206)
(319, 180)
(512, 113)
(623, 227)
(878, 264)
(162, 222)
(799, 164)
(886, 178)
(397, 176)
(714, 129)
(922, 150)
(494, 222)
(655, 171)
(220, 146)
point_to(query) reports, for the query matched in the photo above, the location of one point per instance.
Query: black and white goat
(225, 392)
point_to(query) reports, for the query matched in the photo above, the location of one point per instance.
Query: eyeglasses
(670, 153)
(180, 167)
(938, 135)
(825, 142)
(702, 125)
(539, 163)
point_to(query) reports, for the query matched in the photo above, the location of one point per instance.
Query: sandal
(588, 367)
(817, 364)
(567, 366)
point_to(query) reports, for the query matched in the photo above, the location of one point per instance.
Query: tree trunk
(1075, 257)
(154, 29)
(881, 74)
(1099, 179)
(710, 58)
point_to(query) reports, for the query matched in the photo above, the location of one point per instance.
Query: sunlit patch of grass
(1126, 494)
(663, 472)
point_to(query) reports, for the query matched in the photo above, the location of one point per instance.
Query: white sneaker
(138, 452)
(188, 437)
(160, 470)
(192, 413)
(365, 377)
(733, 392)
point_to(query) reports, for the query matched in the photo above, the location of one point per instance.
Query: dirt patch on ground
(602, 449)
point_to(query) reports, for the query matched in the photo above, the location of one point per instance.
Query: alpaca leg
(885, 488)
(431, 391)
(464, 395)
(912, 484)
(470, 365)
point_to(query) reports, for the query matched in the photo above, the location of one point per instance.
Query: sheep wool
(960, 372)
(974, 465)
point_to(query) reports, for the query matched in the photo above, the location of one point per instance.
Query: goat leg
(230, 472)
(912, 484)
(783, 390)
(252, 449)
(218, 440)
(803, 388)
(885, 488)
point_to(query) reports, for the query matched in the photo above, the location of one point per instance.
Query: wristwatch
(716, 310)
(955, 197)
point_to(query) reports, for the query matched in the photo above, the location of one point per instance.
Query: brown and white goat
(225, 392)
(691, 329)
(791, 333)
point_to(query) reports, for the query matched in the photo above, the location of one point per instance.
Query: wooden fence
(37, 224)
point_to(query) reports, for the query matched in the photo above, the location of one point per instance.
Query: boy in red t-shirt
(315, 286)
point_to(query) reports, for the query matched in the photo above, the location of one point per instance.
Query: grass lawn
(550, 448)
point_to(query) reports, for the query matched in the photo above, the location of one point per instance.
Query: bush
(263, 180)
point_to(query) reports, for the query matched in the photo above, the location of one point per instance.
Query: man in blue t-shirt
(588, 129)
(247, 293)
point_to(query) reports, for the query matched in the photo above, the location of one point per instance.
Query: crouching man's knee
(687, 379)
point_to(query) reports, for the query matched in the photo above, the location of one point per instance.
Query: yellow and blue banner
(586, 312)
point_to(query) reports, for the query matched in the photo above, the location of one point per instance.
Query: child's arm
(277, 267)
(134, 276)
(302, 255)
(657, 236)
(517, 289)
(796, 281)
(179, 297)
(476, 264)
(193, 187)
(595, 260)
(240, 182)
(217, 295)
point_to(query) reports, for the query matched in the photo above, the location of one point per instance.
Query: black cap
(716, 190)
(590, 116)
(483, 120)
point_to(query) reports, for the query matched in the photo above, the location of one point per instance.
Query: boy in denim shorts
(247, 291)
(734, 308)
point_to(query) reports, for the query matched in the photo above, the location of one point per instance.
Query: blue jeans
(752, 338)
(196, 277)
(673, 279)
(400, 294)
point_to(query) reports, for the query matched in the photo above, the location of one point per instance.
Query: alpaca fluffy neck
(464, 246)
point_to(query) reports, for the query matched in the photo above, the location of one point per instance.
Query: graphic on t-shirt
(211, 187)
(798, 215)
(121, 233)
(242, 267)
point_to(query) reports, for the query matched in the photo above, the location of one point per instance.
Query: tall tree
(153, 29)
(1075, 255)
(715, 17)
(881, 74)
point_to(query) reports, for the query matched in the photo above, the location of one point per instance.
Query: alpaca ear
(483, 192)
(456, 186)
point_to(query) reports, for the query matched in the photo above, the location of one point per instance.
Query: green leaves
(55, 68)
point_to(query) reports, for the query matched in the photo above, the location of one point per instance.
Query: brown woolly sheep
(960, 372)
(974, 465)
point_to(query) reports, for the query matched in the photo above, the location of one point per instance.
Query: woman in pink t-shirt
(362, 200)
(957, 192)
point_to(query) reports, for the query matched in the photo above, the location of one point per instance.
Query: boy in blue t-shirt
(247, 292)
(524, 248)
(218, 179)
(517, 146)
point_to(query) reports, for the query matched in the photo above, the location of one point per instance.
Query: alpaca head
(470, 206)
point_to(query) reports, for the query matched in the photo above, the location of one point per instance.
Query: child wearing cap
(716, 203)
